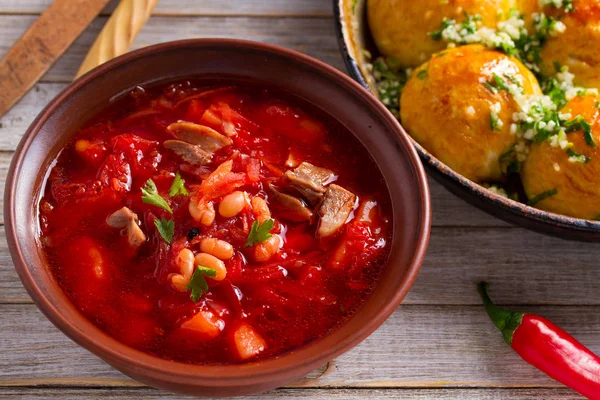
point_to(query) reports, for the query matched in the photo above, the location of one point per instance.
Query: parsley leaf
(198, 285)
(495, 122)
(542, 196)
(178, 186)
(259, 233)
(422, 74)
(150, 196)
(165, 228)
(579, 123)
(576, 157)
(500, 83)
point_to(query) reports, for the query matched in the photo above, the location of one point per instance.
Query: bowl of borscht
(216, 217)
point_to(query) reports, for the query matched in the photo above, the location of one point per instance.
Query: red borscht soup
(215, 224)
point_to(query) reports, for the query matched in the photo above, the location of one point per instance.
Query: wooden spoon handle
(119, 32)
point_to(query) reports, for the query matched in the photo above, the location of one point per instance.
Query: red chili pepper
(547, 347)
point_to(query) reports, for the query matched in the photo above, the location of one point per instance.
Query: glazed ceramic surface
(286, 70)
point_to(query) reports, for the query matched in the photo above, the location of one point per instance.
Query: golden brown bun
(579, 46)
(548, 168)
(527, 8)
(401, 28)
(448, 111)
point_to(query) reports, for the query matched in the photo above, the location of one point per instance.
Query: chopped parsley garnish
(467, 27)
(496, 84)
(490, 87)
(198, 285)
(178, 186)
(389, 80)
(542, 196)
(422, 74)
(513, 80)
(579, 123)
(509, 162)
(566, 5)
(150, 196)
(500, 84)
(494, 122)
(576, 157)
(555, 92)
(165, 228)
(259, 232)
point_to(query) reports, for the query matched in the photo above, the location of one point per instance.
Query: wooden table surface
(438, 344)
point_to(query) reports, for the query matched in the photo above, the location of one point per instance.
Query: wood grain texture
(261, 8)
(313, 36)
(296, 394)
(419, 346)
(44, 41)
(557, 273)
(438, 345)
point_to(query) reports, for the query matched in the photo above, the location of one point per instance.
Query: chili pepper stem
(506, 321)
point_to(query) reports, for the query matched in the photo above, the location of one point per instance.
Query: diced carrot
(248, 343)
(221, 182)
(216, 176)
(206, 323)
(210, 117)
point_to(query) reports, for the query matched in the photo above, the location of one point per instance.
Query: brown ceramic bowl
(295, 73)
(354, 38)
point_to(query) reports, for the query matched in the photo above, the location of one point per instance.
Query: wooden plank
(418, 347)
(313, 36)
(14, 123)
(556, 273)
(295, 394)
(194, 7)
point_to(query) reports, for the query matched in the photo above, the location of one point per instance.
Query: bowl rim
(253, 373)
(517, 209)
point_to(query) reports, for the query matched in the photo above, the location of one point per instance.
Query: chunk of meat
(188, 152)
(337, 205)
(135, 235)
(125, 218)
(310, 181)
(207, 138)
(290, 207)
(120, 218)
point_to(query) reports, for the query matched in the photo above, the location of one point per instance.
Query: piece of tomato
(115, 173)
